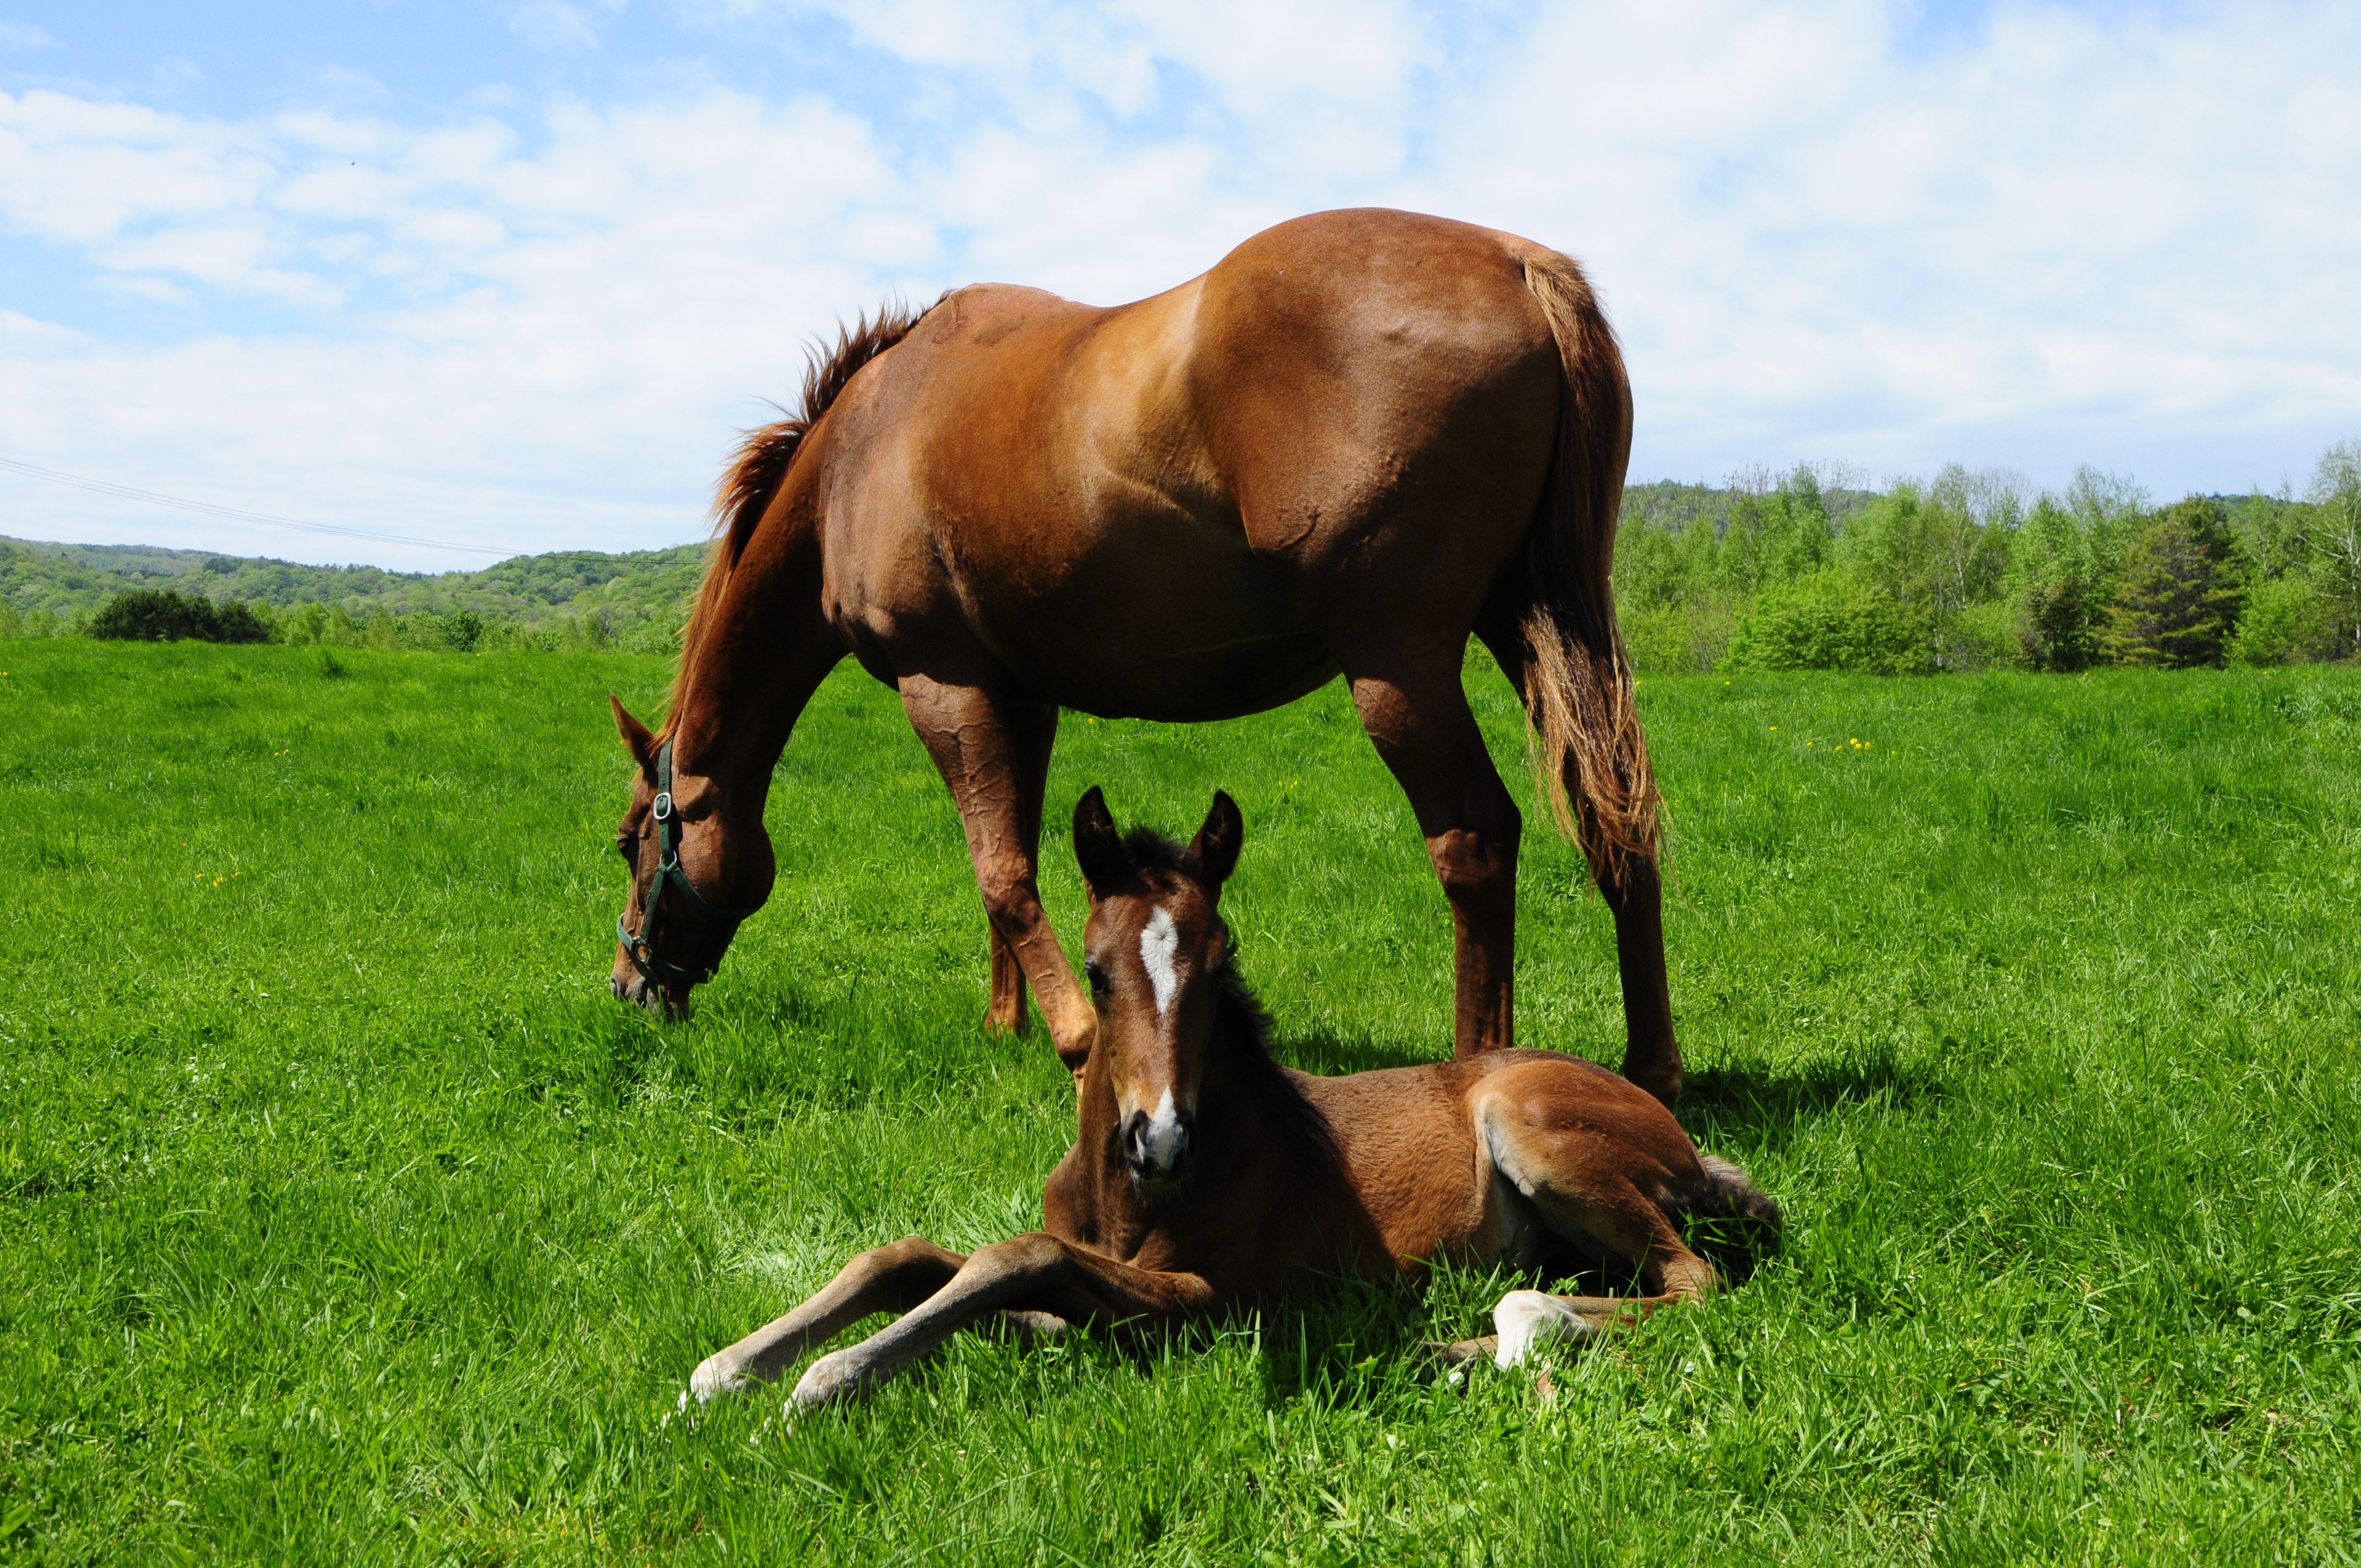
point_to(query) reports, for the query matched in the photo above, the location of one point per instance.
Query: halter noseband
(641, 946)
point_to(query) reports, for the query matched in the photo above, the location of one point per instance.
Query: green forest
(1969, 571)
(1809, 570)
(574, 599)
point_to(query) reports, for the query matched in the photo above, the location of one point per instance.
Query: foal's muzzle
(1157, 1149)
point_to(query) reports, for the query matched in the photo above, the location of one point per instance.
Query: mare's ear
(1219, 841)
(1097, 846)
(636, 739)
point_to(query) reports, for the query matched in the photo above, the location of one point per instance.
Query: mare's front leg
(1033, 733)
(1033, 1273)
(1415, 711)
(993, 754)
(1635, 895)
(883, 1279)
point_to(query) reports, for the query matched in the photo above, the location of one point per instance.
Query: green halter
(642, 945)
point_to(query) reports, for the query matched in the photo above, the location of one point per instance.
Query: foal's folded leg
(1528, 1318)
(883, 1279)
(1032, 1274)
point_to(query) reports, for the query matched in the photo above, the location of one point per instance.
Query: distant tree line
(164, 615)
(568, 599)
(1973, 571)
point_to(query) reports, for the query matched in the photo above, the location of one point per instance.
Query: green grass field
(343, 1217)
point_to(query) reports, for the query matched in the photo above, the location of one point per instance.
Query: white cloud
(2119, 238)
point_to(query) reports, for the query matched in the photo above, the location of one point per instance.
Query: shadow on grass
(1328, 1054)
(1765, 1109)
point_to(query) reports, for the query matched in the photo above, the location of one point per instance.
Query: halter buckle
(663, 807)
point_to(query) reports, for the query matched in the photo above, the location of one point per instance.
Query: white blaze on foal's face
(1160, 941)
(1156, 1070)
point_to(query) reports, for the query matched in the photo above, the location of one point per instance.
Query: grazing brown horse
(1205, 1174)
(1360, 438)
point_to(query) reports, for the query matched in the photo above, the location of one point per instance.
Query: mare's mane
(760, 465)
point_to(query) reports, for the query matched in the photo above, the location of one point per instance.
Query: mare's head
(695, 875)
(1157, 956)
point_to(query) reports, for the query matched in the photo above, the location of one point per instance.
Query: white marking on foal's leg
(1528, 1318)
(1157, 943)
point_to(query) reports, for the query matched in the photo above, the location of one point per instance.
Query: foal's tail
(1728, 1193)
(1588, 752)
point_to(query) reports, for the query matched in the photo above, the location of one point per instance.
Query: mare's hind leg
(1033, 734)
(883, 1279)
(980, 741)
(1415, 711)
(1635, 894)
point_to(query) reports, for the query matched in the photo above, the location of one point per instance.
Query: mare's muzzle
(1156, 1149)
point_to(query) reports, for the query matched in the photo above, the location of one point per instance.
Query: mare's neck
(756, 651)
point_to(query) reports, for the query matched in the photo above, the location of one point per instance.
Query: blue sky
(513, 274)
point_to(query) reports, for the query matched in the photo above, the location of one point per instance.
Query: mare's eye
(625, 842)
(1096, 976)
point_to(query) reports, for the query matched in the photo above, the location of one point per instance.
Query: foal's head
(1155, 957)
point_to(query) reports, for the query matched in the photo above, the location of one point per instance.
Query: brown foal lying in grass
(1206, 1174)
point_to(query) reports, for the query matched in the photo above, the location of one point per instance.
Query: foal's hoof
(715, 1376)
(834, 1378)
(1530, 1318)
(1030, 1328)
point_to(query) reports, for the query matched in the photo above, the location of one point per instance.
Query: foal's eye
(1096, 976)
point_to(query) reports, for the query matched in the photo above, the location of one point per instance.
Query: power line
(108, 488)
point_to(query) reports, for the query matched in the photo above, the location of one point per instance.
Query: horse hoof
(1529, 1318)
(713, 1376)
(830, 1379)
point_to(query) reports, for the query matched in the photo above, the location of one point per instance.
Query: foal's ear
(1097, 844)
(636, 739)
(1219, 841)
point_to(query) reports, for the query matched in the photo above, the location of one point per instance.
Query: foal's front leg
(1032, 1273)
(883, 1279)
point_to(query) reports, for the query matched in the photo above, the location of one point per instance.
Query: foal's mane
(1241, 1028)
(760, 465)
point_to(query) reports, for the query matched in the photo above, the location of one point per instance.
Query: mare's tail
(1588, 752)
